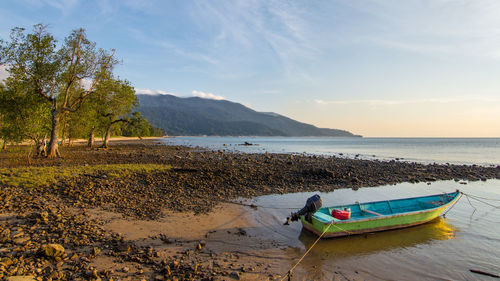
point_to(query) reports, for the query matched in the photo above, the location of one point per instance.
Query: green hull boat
(380, 215)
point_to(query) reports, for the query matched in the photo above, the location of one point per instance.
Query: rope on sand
(289, 272)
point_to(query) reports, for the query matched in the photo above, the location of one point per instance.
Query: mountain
(198, 116)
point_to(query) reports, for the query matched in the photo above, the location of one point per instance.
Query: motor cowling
(313, 204)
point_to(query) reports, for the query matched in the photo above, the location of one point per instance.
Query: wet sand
(172, 221)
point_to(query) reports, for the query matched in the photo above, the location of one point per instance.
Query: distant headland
(197, 116)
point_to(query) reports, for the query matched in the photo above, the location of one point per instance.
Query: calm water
(481, 151)
(444, 249)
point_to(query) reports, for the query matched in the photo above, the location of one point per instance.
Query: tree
(22, 116)
(139, 127)
(84, 122)
(113, 102)
(32, 65)
(56, 75)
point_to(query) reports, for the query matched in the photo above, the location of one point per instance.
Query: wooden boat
(380, 215)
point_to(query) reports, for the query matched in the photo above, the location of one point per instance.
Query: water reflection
(368, 243)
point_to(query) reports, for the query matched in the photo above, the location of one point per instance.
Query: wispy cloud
(387, 102)
(273, 32)
(469, 28)
(184, 51)
(3, 72)
(153, 92)
(270, 92)
(64, 6)
(204, 95)
(194, 93)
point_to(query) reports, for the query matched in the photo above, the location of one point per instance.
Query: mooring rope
(470, 203)
(451, 207)
(289, 272)
(489, 199)
(476, 198)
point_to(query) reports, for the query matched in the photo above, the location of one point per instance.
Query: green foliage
(38, 68)
(114, 98)
(32, 61)
(33, 67)
(139, 127)
(22, 116)
(83, 121)
(45, 90)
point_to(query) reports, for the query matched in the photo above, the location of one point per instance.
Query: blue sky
(376, 68)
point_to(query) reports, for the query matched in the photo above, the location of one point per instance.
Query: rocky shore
(60, 227)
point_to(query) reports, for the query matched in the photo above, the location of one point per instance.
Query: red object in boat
(341, 214)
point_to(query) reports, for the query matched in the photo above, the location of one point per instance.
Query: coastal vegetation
(63, 91)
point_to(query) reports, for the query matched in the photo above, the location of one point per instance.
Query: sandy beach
(143, 210)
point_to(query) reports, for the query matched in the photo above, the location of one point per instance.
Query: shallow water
(444, 249)
(480, 151)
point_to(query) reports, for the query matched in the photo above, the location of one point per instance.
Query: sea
(468, 151)
(448, 248)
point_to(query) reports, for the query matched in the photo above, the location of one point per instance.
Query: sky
(376, 68)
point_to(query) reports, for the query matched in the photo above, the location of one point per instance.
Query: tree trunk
(52, 150)
(63, 131)
(106, 137)
(91, 138)
(70, 138)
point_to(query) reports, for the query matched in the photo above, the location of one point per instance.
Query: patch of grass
(30, 177)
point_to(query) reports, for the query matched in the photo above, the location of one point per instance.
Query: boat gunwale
(458, 195)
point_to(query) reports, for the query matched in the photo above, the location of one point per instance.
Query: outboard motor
(312, 205)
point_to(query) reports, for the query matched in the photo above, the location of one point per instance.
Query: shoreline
(152, 211)
(360, 150)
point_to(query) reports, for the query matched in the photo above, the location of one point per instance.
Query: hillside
(197, 116)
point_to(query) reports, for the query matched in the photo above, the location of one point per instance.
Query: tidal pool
(444, 249)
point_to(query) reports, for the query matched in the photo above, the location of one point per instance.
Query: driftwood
(41, 147)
